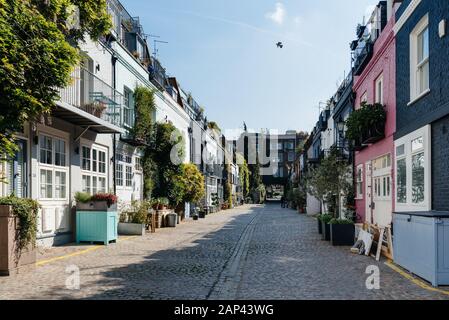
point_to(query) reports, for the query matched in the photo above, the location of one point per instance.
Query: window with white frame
(359, 182)
(364, 98)
(379, 90)
(291, 156)
(94, 169)
(124, 170)
(138, 164)
(119, 174)
(419, 59)
(53, 170)
(413, 171)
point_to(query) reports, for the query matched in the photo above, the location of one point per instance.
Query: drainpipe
(114, 140)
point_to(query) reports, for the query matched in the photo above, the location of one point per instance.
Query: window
(364, 98)
(380, 90)
(280, 146)
(419, 59)
(291, 156)
(360, 182)
(289, 145)
(281, 157)
(46, 182)
(129, 176)
(53, 171)
(60, 185)
(138, 164)
(128, 110)
(94, 176)
(119, 175)
(412, 172)
(46, 149)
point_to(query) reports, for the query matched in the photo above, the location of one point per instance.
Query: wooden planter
(11, 261)
(342, 234)
(96, 222)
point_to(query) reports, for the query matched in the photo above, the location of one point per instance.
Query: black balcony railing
(362, 58)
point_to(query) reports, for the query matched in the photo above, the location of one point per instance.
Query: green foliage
(340, 221)
(213, 126)
(262, 193)
(26, 210)
(38, 52)
(138, 212)
(194, 183)
(331, 178)
(82, 197)
(144, 109)
(326, 218)
(364, 119)
(244, 174)
(164, 156)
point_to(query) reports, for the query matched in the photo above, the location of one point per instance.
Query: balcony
(157, 74)
(91, 103)
(363, 57)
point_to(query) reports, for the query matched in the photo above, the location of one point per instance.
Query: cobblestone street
(252, 252)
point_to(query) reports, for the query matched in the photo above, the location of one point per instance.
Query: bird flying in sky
(280, 45)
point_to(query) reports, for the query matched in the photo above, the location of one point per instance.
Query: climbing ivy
(38, 51)
(26, 210)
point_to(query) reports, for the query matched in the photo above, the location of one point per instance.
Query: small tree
(243, 175)
(194, 187)
(329, 180)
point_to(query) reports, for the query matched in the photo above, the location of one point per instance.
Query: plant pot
(326, 235)
(342, 234)
(320, 226)
(131, 229)
(11, 261)
(170, 220)
(202, 215)
(195, 218)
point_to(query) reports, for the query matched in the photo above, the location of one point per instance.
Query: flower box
(12, 260)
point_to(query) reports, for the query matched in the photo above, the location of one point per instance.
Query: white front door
(382, 200)
(138, 186)
(53, 183)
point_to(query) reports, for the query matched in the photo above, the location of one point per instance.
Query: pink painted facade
(377, 183)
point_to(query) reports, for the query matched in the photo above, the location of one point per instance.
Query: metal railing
(89, 93)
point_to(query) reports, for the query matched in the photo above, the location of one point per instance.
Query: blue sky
(224, 52)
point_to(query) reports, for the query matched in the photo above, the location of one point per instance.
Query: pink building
(374, 82)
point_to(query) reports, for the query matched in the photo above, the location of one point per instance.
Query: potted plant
(18, 227)
(99, 109)
(325, 219)
(133, 221)
(342, 232)
(96, 218)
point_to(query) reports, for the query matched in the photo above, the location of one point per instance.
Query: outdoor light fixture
(341, 127)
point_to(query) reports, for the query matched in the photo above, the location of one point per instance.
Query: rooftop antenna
(156, 51)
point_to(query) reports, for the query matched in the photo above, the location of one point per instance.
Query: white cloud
(278, 15)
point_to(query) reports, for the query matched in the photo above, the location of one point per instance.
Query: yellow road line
(416, 281)
(74, 254)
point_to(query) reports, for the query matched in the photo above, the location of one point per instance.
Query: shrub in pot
(325, 219)
(320, 224)
(342, 232)
(99, 211)
(134, 220)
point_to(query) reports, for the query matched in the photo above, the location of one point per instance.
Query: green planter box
(96, 226)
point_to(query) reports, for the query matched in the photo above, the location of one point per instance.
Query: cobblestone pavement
(252, 252)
